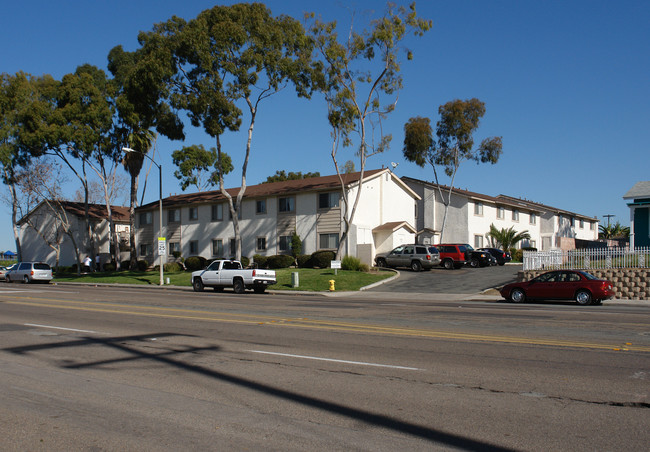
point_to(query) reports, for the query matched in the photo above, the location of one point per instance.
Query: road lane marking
(316, 358)
(60, 328)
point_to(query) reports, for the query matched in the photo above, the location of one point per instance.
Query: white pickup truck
(222, 273)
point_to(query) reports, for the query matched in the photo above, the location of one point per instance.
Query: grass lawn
(310, 279)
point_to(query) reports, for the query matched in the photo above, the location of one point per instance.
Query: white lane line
(60, 328)
(358, 363)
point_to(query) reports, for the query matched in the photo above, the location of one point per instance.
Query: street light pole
(160, 217)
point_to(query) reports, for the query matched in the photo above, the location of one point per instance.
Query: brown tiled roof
(264, 190)
(97, 211)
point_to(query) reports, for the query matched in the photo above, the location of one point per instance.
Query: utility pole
(608, 217)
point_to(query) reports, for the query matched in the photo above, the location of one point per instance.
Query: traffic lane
(440, 280)
(217, 379)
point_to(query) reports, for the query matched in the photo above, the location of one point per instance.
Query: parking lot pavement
(465, 280)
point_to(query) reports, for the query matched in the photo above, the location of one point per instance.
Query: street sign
(162, 246)
(335, 264)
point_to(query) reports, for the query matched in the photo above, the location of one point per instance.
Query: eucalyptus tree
(361, 70)
(226, 57)
(198, 166)
(20, 96)
(458, 121)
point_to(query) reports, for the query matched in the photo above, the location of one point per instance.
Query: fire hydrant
(332, 289)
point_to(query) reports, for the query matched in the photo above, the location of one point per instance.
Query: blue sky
(565, 83)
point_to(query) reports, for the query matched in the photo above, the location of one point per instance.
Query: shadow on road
(167, 357)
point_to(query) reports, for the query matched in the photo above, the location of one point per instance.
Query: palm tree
(506, 238)
(614, 231)
(141, 142)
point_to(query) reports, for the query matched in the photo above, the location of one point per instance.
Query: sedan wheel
(197, 285)
(518, 296)
(583, 297)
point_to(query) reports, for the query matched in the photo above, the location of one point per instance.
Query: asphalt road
(95, 368)
(462, 280)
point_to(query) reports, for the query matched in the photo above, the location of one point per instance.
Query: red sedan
(576, 285)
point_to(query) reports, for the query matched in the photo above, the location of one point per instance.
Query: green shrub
(517, 255)
(108, 267)
(260, 261)
(172, 267)
(176, 254)
(351, 263)
(142, 266)
(303, 260)
(279, 261)
(193, 263)
(322, 259)
(125, 264)
(245, 262)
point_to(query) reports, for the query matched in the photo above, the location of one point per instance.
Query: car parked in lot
(3, 270)
(501, 256)
(415, 257)
(576, 285)
(455, 255)
(28, 272)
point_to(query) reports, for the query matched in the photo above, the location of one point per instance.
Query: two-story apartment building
(200, 223)
(43, 235)
(470, 215)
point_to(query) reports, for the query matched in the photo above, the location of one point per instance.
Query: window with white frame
(217, 248)
(329, 241)
(533, 244)
(533, 218)
(478, 208)
(194, 213)
(501, 213)
(592, 225)
(284, 243)
(582, 224)
(146, 218)
(260, 206)
(260, 245)
(328, 200)
(287, 204)
(217, 212)
(515, 215)
(194, 247)
(478, 241)
(174, 247)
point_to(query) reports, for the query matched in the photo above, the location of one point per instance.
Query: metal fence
(597, 258)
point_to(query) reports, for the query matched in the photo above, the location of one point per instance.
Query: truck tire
(238, 286)
(197, 285)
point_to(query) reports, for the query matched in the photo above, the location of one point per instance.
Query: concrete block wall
(629, 283)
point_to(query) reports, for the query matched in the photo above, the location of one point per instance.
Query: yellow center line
(249, 319)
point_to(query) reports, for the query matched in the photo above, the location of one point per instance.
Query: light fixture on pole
(161, 240)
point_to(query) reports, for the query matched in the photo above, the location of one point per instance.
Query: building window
(582, 224)
(146, 250)
(194, 213)
(260, 206)
(478, 208)
(233, 247)
(533, 244)
(146, 218)
(285, 243)
(217, 248)
(515, 215)
(328, 200)
(287, 204)
(533, 218)
(173, 215)
(478, 241)
(194, 247)
(173, 247)
(261, 244)
(573, 222)
(329, 241)
(217, 212)
(501, 213)
(592, 225)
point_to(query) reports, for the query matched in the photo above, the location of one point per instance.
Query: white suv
(30, 272)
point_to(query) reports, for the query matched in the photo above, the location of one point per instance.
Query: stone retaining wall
(629, 283)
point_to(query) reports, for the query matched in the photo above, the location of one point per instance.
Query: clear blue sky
(565, 83)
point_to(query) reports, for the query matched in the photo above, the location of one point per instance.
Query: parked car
(455, 255)
(501, 256)
(229, 273)
(576, 285)
(28, 272)
(416, 257)
(3, 270)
